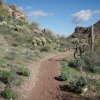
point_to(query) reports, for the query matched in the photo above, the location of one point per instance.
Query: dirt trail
(47, 88)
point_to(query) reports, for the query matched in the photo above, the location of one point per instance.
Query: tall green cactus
(92, 40)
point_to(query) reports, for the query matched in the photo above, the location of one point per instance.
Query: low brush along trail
(47, 87)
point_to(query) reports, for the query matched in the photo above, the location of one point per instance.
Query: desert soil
(43, 85)
(47, 87)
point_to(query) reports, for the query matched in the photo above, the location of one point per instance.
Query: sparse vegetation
(34, 25)
(6, 76)
(45, 48)
(71, 75)
(9, 94)
(1, 7)
(77, 85)
(23, 71)
(65, 72)
(2, 61)
(22, 43)
(10, 55)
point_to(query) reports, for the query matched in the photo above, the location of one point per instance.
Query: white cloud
(29, 7)
(84, 15)
(96, 12)
(21, 8)
(39, 13)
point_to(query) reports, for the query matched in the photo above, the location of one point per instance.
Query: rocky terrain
(84, 32)
(15, 13)
(24, 44)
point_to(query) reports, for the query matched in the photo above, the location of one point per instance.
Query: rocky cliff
(83, 32)
(15, 13)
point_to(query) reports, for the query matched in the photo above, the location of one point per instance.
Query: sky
(60, 16)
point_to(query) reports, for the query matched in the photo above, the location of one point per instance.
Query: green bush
(75, 89)
(65, 72)
(98, 87)
(92, 61)
(77, 86)
(77, 63)
(17, 82)
(73, 63)
(2, 61)
(64, 76)
(23, 71)
(45, 48)
(81, 82)
(9, 94)
(6, 76)
(94, 69)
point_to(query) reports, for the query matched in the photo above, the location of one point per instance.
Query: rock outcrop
(15, 13)
(80, 29)
(84, 33)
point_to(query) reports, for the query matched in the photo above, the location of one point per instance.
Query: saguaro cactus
(92, 40)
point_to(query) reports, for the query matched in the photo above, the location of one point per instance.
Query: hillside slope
(21, 44)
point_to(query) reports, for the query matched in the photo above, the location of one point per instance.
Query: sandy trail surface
(43, 85)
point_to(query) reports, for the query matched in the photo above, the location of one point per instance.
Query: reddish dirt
(47, 87)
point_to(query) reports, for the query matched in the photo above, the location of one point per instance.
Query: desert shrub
(74, 63)
(50, 35)
(2, 61)
(74, 88)
(64, 76)
(23, 71)
(45, 48)
(81, 82)
(98, 87)
(37, 53)
(29, 55)
(61, 49)
(92, 62)
(9, 94)
(13, 65)
(34, 25)
(65, 72)
(14, 43)
(32, 55)
(17, 82)
(77, 85)
(77, 63)
(10, 55)
(6, 76)
(94, 69)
